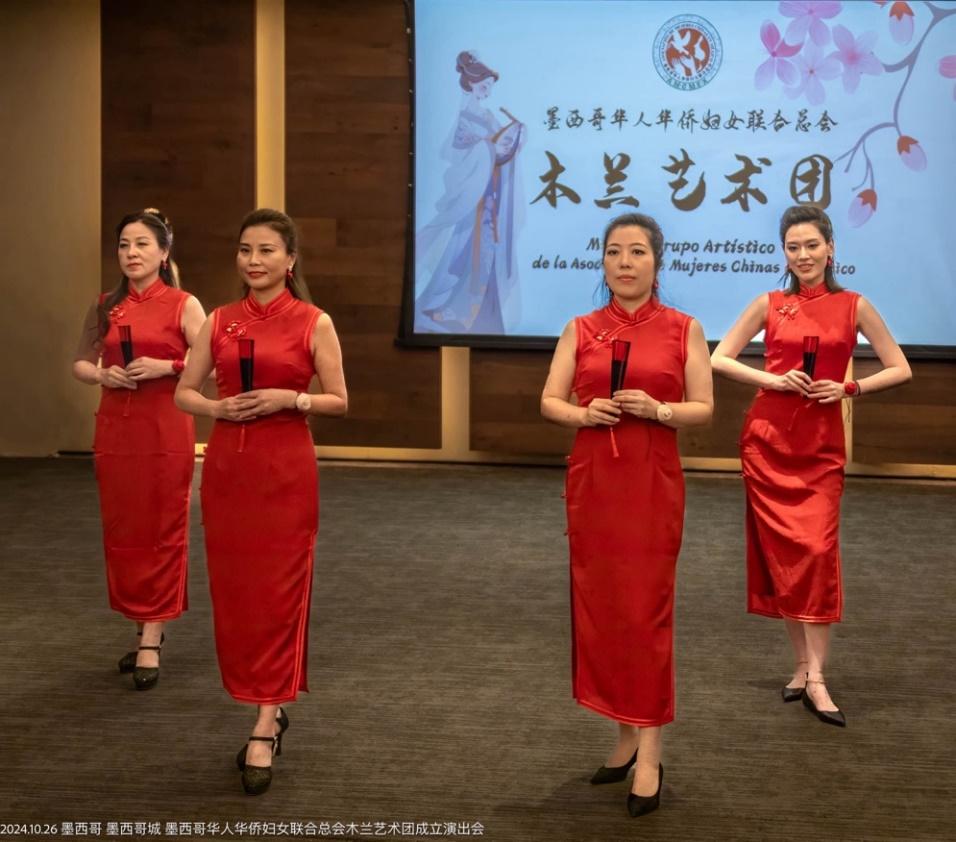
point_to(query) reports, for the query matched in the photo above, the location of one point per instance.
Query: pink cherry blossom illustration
(777, 65)
(808, 16)
(862, 207)
(911, 152)
(856, 56)
(813, 66)
(947, 68)
(901, 22)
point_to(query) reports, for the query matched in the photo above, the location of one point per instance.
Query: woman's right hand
(602, 411)
(793, 381)
(234, 409)
(115, 377)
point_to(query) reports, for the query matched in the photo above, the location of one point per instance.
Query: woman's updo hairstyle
(471, 71)
(162, 229)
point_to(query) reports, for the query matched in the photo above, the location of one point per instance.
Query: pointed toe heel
(613, 774)
(792, 694)
(641, 805)
(830, 717)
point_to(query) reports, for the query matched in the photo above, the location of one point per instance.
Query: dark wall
(179, 130)
(347, 147)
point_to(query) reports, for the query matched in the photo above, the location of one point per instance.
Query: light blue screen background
(586, 54)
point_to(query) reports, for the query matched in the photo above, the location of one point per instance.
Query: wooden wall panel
(915, 423)
(505, 404)
(347, 145)
(179, 130)
(719, 439)
(505, 417)
(179, 133)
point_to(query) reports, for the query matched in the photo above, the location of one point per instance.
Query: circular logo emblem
(687, 52)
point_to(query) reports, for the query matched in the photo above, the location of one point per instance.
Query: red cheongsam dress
(625, 506)
(144, 451)
(793, 454)
(260, 504)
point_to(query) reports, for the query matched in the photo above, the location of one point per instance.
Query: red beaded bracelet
(851, 389)
(178, 366)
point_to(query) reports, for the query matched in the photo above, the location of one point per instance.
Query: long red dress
(793, 454)
(260, 505)
(626, 519)
(144, 451)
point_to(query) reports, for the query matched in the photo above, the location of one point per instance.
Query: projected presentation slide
(538, 121)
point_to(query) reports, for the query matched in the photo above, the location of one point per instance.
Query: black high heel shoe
(641, 805)
(128, 662)
(613, 774)
(282, 720)
(257, 779)
(793, 694)
(145, 678)
(830, 717)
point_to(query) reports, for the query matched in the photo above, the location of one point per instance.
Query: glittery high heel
(128, 662)
(257, 779)
(282, 720)
(145, 678)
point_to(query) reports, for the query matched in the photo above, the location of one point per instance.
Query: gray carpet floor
(439, 668)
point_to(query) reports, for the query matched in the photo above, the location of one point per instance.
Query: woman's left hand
(826, 391)
(267, 401)
(637, 402)
(149, 368)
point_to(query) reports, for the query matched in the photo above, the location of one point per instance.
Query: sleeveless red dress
(793, 454)
(625, 507)
(260, 505)
(144, 451)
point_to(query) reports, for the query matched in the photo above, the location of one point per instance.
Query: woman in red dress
(625, 496)
(144, 446)
(792, 446)
(259, 478)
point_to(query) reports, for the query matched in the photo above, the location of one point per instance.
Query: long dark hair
(649, 224)
(285, 228)
(162, 229)
(815, 216)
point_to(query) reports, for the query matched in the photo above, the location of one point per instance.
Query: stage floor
(439, 666)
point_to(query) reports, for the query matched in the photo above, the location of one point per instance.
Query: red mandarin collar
(281, 302)
(813, 292)
(154, 290)
(644, 313)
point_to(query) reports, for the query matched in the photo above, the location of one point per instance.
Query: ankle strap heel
(145, 678)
